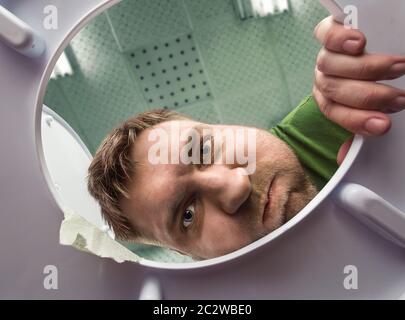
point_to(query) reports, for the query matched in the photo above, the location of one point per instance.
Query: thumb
(344, 149)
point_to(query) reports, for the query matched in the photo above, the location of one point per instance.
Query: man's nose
(228, 187)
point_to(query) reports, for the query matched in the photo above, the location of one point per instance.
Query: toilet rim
(56, 117)
(322, 195)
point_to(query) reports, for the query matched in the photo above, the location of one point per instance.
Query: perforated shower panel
(171, 73)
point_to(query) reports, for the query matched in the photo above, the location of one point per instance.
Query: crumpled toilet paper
(77, 232)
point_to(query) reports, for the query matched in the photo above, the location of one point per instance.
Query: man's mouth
(269, 200)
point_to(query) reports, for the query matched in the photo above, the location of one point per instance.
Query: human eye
(188, 216)
(206, 153)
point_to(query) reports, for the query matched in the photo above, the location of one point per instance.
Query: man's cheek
(215, 243)
(247, 155)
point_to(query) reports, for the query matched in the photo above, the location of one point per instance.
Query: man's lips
(268, 203)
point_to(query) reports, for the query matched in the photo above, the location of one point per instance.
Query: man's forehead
(145, 139)
(182, 124)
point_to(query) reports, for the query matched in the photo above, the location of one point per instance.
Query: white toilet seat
(67, 159)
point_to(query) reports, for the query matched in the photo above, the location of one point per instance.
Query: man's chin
(297, 202)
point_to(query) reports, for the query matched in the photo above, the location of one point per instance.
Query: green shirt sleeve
(315, 140)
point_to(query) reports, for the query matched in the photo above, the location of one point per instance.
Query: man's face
(206, 211)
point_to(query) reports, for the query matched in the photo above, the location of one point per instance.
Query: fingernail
(398, 68)
(376, 126)
(400, 102)
(351, 46)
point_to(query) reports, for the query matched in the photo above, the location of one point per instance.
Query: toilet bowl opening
(183, 63)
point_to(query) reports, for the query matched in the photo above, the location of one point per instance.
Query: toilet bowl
(67, 160)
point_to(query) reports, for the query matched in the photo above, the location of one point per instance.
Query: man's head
(202, 210)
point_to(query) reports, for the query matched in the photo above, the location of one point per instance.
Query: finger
(367, 123)
(336, 37)
(360, 94)
(366, 67)
(344, 149)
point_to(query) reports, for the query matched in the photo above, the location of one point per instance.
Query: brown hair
(112, 169)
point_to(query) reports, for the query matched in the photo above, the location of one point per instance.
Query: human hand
(346, 87)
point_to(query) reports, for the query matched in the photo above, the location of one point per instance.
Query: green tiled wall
(257, 70)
